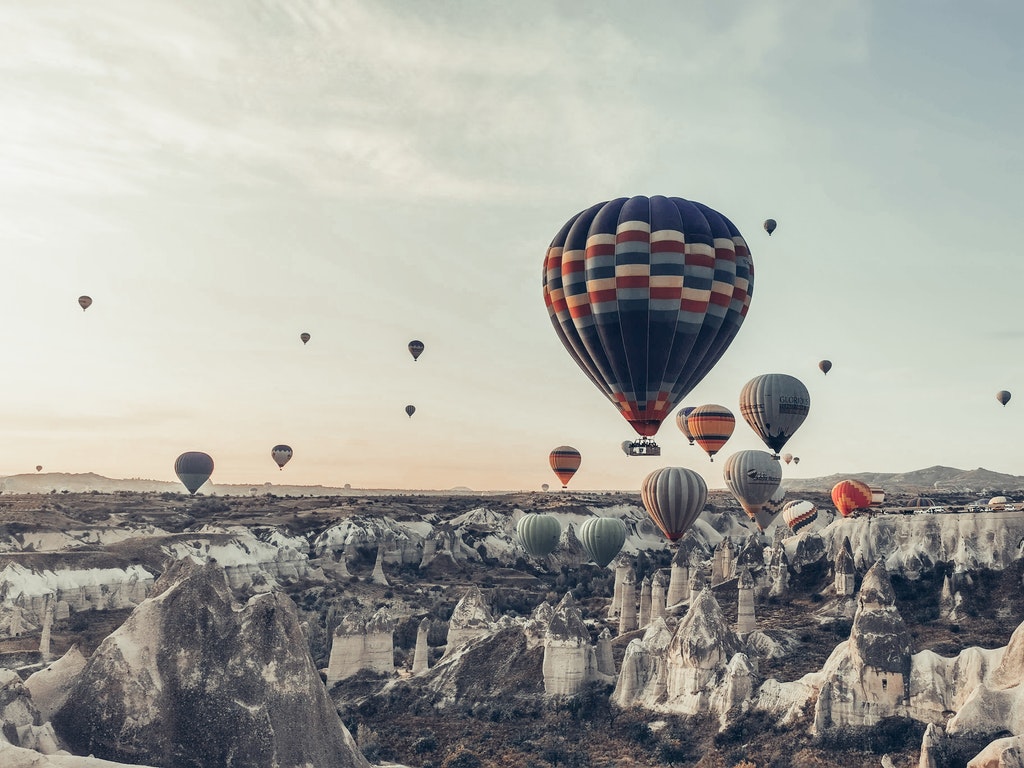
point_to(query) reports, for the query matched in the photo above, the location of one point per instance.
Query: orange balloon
(851, 495)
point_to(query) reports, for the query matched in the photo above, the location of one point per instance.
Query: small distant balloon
(796, 459)
(774, 405)
(193, 468)
(544, 486)
(682, 415)
(770, 225)
(565, 460)
(281, 454)
(410, 410)
(1003, 396)
(416, 348)
(787, 457)
(84, 302)
(627, 447)
(825, 366)
(39, 467)
(305, 337)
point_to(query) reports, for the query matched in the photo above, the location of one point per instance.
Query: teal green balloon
(602, 538)
(539, 534)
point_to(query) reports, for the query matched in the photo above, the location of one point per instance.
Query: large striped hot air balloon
(674, 497)
(851, 495)
(565, 460)
(602, 538)
(281, 454)
(752, 477)
(799, 514)
(538, 533)
(711, 426)
(774, 405)
(646, 294)
(682, 415)
(193, 468)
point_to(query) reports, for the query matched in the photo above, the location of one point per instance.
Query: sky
(220, 177)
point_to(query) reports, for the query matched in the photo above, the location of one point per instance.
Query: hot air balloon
(799, 514)
(84, 302)
(681, 417)
(770, 225)
(305, 337)
(673, 497)
(544, 486)
(565, 460)
(416, 348)
(538, 533)
(766, 515)
(851, 495)
(627, 447)
(774, 405)
(877, 497)
(752, 477)
(193, 468)
(39, 467)
(281, 454)
(410, 410)
(646, 294)
(711, 426)
(796, 459)
(1003, 396)
(787, 457)
(602, 538)
(825, 366)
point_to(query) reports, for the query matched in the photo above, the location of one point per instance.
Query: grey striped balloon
(538, 533)
(602, 537)
(674, 497)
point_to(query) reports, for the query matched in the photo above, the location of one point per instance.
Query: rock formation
(644, 617)
(192, 679)
(627, 616)
(51, 686)
(679, 579)
(621, 566)
(420, 660)
(778, 572)
(569, 659)
(845, 574)
(360, 643)
(659, 585)
(377, 576)
(470, 619)
(746, 621)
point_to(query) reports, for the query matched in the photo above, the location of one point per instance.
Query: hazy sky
(222, 176)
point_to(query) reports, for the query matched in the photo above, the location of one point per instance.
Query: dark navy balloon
(646, 294)
(193, 469)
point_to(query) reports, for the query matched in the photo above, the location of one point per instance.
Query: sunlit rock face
(51, 686)
(570, 660)
(996, 704)
(868, 677)
(193, 679)
(569, 552)
(25, 594)
(470, 619)
(362, 644)
(642, 679)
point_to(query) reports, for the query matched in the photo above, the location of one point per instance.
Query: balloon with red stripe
(565, 460)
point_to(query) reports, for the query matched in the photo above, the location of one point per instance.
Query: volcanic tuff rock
(570, 660)
(51, 686)
(192, 679)
(362, 643)
(470, 619)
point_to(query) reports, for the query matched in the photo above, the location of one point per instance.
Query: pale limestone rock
(536, 627)
(605, 657)
(569, 660)
(470, 619)
(996, 704)
(778, 572)
(846, 576)
(1001, 753)
(420, 660)
(359, 644)
(378, 577)
(644, 674)
(746, 621)
(621, 566)
(679, 583)
(868, 679)
(645, 603)
(698, 655)
(50, 686)
(930, 743)
(627, 615)
(659, 585)
(732, 696)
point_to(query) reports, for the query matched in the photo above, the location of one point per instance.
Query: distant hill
(937, 478)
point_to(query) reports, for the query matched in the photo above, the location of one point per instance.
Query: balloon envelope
(193, 468)
(544, 486)
(565, 460)
(851, 495)
(711, 426)
(646, 294)
(539, 533)
(410, 410)
(39, 467)
(305, 337)
(787, 457)
(825, 366)
(84, 302)
(775, 405)
(770, 225)
(799, 514)
(674, 497)
(281, 454)
(416, 348)
(1003, 396)
(602, 538)
(682, 415)
(766, 515)
(752, 477)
